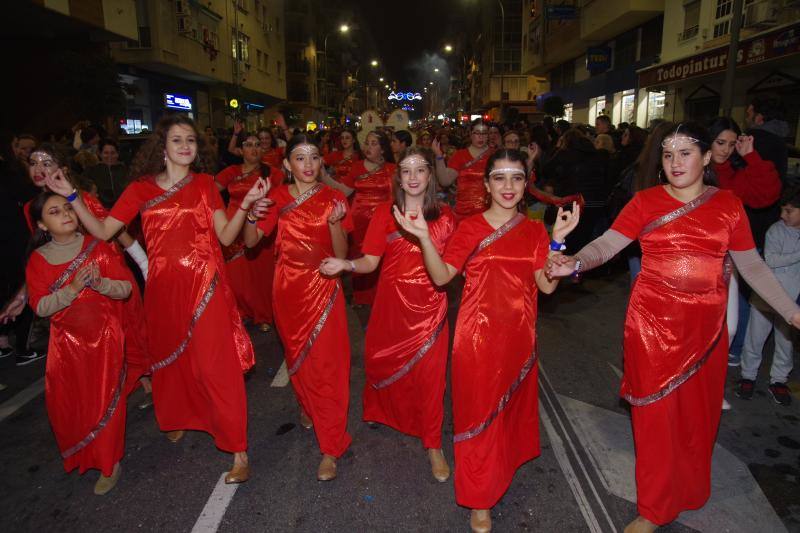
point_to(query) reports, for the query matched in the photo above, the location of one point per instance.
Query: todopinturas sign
(778, 43)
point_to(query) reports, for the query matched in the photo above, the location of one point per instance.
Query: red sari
(274, 158)
(250, 270)
(405, 351)
(494, 372)
(676, 341)
(135, 332)
(309, 310)
(372, 188)
(196, 340)
(85, 380)
(341, 165)
(471, 195)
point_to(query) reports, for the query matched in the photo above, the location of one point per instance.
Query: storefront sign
(177, 101)
(598, 59)
(764, 47)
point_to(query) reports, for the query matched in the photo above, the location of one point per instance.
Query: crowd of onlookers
(601, 163)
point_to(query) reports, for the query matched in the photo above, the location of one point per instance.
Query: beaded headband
(305, 149)
(507, 170)
(413, 161)
(42, 156)
(672, 140)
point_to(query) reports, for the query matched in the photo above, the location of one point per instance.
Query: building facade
(215, 60)
(591, 52)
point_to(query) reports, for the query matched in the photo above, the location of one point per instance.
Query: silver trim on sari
(315, 331)
(300, 199)
(685, 209)
(406, 368)
(73, 266)
(370, 173)
(201, 307)
(496, 234)
(166, 195)
(501, 404)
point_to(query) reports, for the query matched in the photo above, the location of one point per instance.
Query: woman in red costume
(48, 160)
(197, 344)
(494, 372)
(466, 168)
(250, 270)
(80, 283)
(341, 161)
(311, 223)
(271, 153)
(405, 351)
(368, 185)
(676, 339)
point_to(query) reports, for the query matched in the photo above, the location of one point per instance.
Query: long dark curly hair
(149, 160)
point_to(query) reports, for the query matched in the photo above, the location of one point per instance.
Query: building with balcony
(694, 57)
(197, 56)
(590, 51)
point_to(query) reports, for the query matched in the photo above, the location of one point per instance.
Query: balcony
(688, 33)
(601, 21)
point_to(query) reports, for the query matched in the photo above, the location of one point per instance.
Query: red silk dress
(494, 372)
(341, 164)
(676, 341)
(197, 344)
(405, 351)
(86, 375)
(372, 188)
(309, 310)
(471, 195)
(274, 158)
(133, 325)
(250, 270)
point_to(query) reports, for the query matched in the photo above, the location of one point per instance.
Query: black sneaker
(5, 352)
(30, 357)
(780, 393)
(745, 388)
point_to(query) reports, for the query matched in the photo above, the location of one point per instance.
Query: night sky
(410, 35)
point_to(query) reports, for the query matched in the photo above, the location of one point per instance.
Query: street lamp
(344, 28)
(374, 63)
(380, 80)
(436, 69)
(448, 48)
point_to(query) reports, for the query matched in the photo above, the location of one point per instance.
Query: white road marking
(10, 406)
(281, 379)
(211, 517)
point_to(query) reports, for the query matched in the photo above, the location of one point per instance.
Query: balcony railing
(688, 33)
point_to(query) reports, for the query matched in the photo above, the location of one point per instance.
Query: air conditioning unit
(761, 14)
(184, 24)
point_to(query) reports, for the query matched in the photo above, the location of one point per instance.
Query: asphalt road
(583, 481)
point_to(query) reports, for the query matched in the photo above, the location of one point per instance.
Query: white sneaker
(726, 406)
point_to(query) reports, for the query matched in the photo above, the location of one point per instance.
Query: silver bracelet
(352, 265)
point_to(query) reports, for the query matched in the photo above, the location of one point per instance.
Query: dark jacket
(580, 169)
(768, 141)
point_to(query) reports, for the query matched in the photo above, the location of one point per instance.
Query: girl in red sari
(311, 223)
(676, 339)
(340, 161)
(368, 185)
(250, 270)
(271, 153)
(466, 169)
(405, 351)
(197, 344)
(494, 373)
(80, 283)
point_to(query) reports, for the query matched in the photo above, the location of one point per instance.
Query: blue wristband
(557, 246)
(73, 195)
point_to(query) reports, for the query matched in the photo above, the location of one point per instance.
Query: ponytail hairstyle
(516, 156)
(296, 140)
(699, 134)
(430, 205)
(39, 237)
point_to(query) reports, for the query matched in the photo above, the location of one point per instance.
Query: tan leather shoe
(481, 520)
(439, 466)
(640, 525)
(238, 474)
(327, 468)
(175, 436)
(305, 420)
(105, 484)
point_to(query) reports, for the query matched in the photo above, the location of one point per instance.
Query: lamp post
(502, 47)
(343, 28)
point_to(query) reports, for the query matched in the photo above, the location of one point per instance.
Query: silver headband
(672, 140)
(480, 129)
(413, 161)
(507, 170)
(306, 149)
(44, 156)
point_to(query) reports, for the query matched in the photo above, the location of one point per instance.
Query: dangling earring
(661, 177)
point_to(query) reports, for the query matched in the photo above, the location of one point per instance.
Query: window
(258, 58)
(257, 8)
(280, 73)
(655, 105)
(240, 46)
(628, 110)
(597, 107)
(241, 4)
(722, 18)
(625, 49)
(568, 112)
(691, 20)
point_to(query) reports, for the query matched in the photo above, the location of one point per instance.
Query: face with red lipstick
(415, 175)
(40, 166)
(683, 161)
(181, 145)
(506, 183)
(304, 163)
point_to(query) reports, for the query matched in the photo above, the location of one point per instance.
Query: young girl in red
(81, 283)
